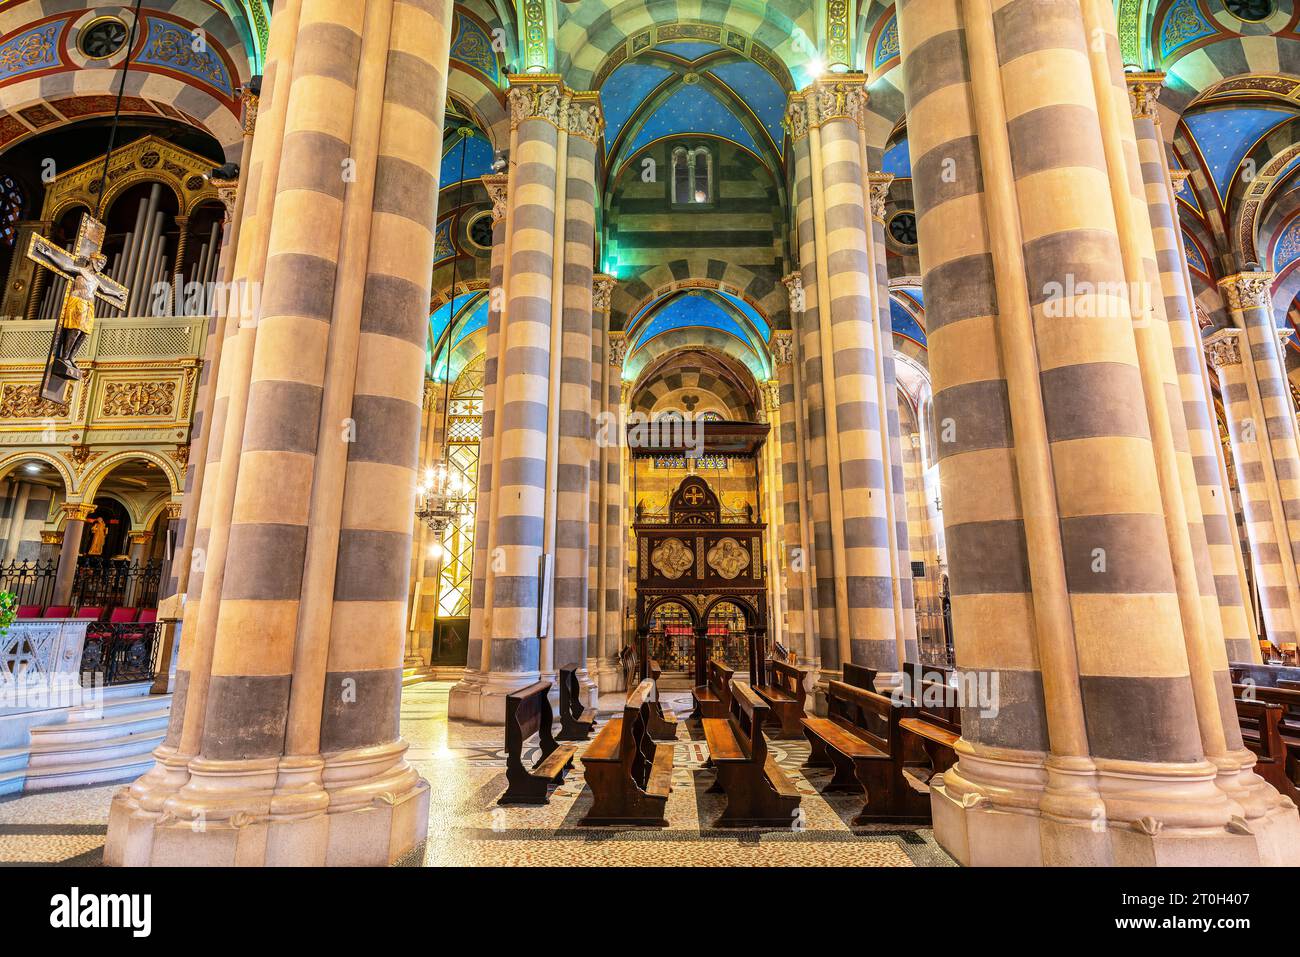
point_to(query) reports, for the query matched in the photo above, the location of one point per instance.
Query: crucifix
(84, 268)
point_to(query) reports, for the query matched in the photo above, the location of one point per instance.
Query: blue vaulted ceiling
(706, 309)
(1225, 136)
(689, 87)
(477, 157)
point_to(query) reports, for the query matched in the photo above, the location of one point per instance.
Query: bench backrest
(935, 694)
(868, 714)
(570, 691)
(747, 712)
(788, 678)
(528, 713)
(1263, 718)
(720, 677)
(860, 676)
(656, 671)
(636, 746)
(1287, 698)
(1289, 684)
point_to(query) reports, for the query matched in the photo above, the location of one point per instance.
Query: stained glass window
(464, 430)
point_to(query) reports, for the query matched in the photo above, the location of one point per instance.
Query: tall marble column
(535, 600)
(610, 534)
(476, 664)
(1053, 455)
(840, 323)
(65, 575)
(900, 554)
(1218, 527)
(288, 749)
(770, 486)
(1259, 478)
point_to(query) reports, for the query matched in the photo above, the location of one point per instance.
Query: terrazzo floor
(465, 766)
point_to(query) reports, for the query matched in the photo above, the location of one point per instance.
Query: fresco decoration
(1184, 23)
(472, 46)
(31, 51)
(887, 47)
(171, 46)
(1287, 248)
(1194, 257)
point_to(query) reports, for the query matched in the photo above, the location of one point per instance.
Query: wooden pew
(785, 695)
(1260, 722)
(576, 721)
(758, 792)
(936, 726)
(713, 698)
(628, 773)
(1287, 698)
(860, 676)
(663, 724)
(862, 739)
(528, 712)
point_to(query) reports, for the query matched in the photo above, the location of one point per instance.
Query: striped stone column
(497, 186)
(1119, 111)
(1263, 507)
(535, 606)
(800, 482)
(770, 393)
(1218, 528)
(791, 513)
(1047, 453)
(299, 757)
(825, 123)
(573, 491)
(887, 388)
(609, 448)
(65, 575)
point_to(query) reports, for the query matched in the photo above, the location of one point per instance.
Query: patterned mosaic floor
(465, 765)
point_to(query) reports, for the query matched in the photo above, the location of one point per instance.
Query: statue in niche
(98, 534)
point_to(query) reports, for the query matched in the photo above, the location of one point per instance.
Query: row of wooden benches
(874, 743)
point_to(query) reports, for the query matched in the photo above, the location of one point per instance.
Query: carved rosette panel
(728, 558)
(672, 558)
(139, 399)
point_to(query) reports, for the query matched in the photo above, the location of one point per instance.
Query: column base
(979, 833)
(482, 698)
(609, 676)
(361, 808)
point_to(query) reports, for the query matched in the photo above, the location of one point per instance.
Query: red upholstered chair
(94, 611)
(123, 615)
(58, 611)
(148, 616)
(29, 611)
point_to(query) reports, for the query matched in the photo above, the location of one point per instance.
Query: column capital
(1224, 348)
(143, 537)
(1247, 290)
(837, 96)
(794, 286)
(52, 536)
(544, 96)
(1143, 92)
(602, 291)
(1178, 179)
(251, 100)
(498, 190)
(227, 192)
(771, 396)
(783, 347)
(174, 510)
(77, 511)
(617, 349)
(878, 188)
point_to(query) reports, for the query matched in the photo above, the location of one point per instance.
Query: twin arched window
(692, 176)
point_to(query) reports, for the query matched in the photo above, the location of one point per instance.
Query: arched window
(692, 176)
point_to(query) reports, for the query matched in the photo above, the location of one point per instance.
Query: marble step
(68, 752)
(98, 729)
(124, 767)
(120, 707)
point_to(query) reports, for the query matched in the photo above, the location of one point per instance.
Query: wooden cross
(84, 268)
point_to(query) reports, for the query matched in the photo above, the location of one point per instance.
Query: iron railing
(116, 583)
(121, 652)
(31, 582)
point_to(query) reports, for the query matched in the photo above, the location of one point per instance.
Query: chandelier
(443, 498)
